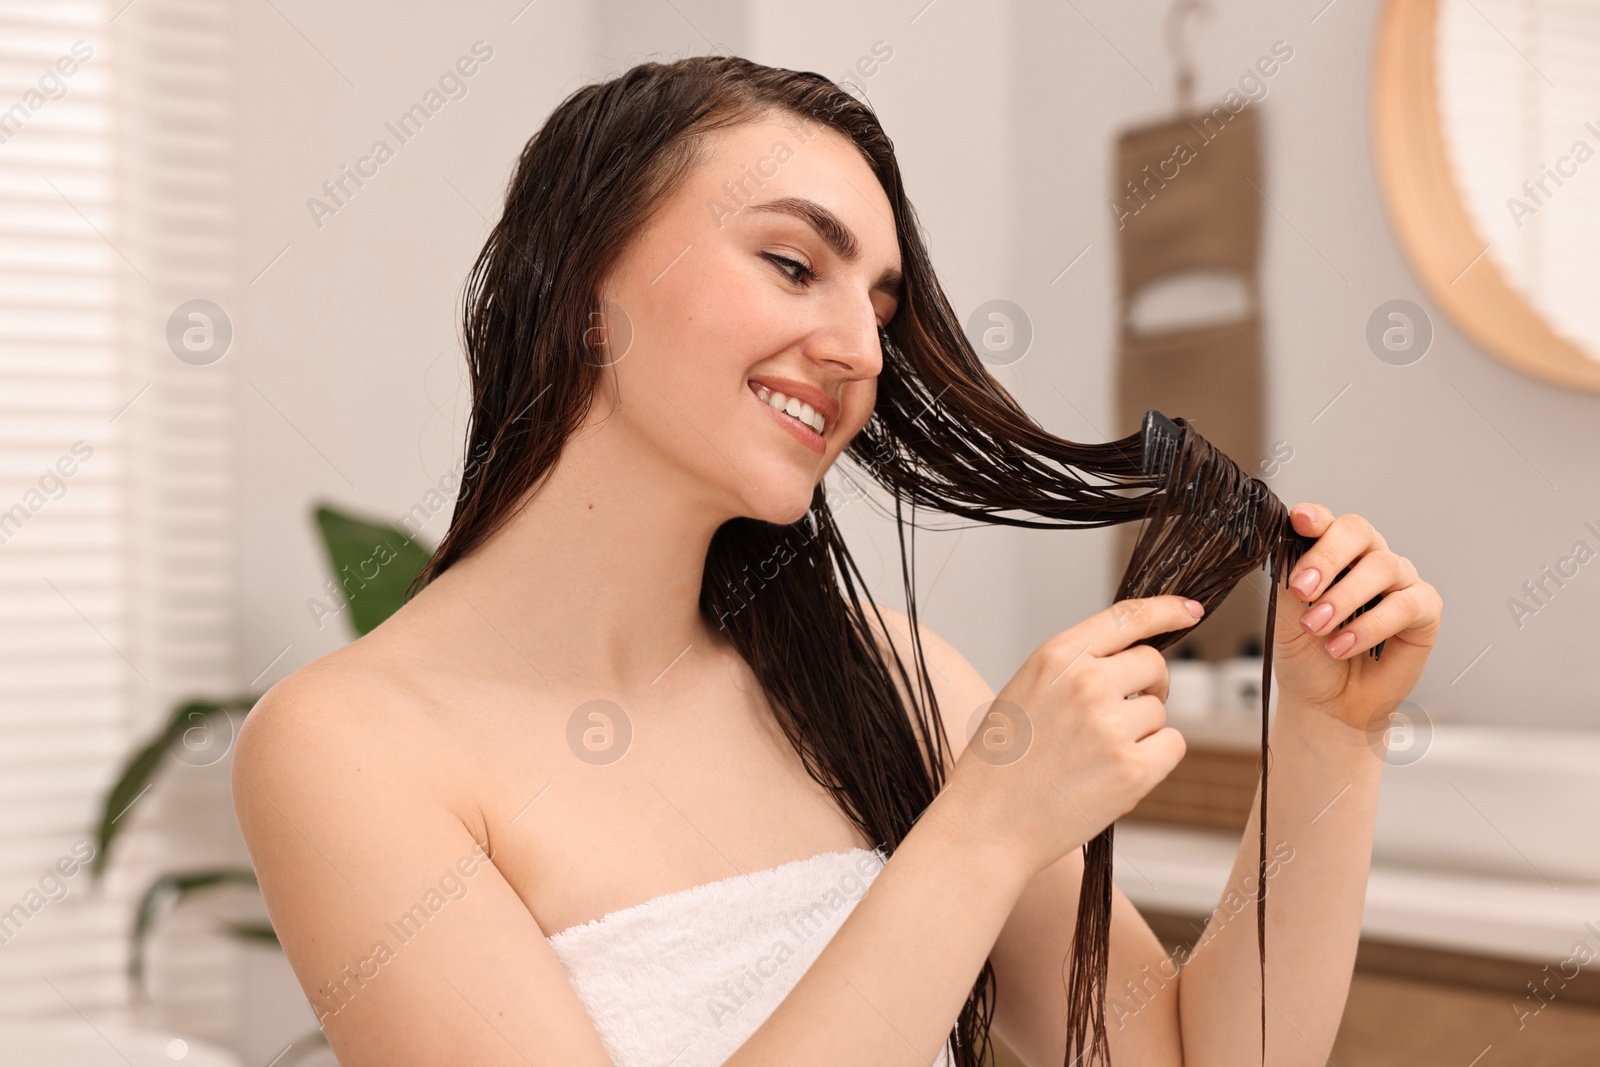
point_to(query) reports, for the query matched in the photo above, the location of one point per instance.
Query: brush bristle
(1162, 437)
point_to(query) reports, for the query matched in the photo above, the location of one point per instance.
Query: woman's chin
(783, 508)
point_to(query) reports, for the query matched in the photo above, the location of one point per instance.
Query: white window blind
(1519, 89)
(116, 567)
(62, 535)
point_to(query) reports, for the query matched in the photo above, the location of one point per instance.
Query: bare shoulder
(958, 687)
(341, 786)
(343, 718)
(344, 735)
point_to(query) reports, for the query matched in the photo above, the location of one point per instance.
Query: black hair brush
(1223, 504)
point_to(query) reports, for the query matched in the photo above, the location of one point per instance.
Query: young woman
(613, 785)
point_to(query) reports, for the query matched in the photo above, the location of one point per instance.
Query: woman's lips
(797, 429)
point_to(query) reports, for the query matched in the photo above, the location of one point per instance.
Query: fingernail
(1341, 644)
(1304, 513)
(1306, 580)
(1196, 608)
(1317, 617)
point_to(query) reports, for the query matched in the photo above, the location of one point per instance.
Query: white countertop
(1183, 870)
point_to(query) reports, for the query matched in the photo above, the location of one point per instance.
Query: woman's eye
(802, 273)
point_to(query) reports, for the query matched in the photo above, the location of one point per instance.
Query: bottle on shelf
(1239, 684)
(1192, 694)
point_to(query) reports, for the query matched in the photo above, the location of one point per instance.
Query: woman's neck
(597, 579)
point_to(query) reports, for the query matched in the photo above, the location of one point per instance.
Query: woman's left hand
(1326, 666)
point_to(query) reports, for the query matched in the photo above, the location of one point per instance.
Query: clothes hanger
(1178, 45)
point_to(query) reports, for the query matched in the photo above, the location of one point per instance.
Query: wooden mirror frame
(1425, 208)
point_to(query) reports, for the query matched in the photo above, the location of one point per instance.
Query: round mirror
(1486, 128)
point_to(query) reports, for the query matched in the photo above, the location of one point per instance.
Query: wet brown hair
(943, 435)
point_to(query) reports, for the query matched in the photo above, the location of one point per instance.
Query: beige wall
(352, 387)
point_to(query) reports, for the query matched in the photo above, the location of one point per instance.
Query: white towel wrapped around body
(684, 979)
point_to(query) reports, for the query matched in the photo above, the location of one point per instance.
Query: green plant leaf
(372, 562)
(164, 894)
(252, 932)
(141, 767)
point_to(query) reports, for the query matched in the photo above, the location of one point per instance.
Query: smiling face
(772, 266)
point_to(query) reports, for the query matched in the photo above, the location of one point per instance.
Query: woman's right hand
(1062, 752)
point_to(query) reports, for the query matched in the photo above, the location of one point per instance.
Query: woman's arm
(890, 982)
(1030, 954)
(1322, 800)
(1326, 764)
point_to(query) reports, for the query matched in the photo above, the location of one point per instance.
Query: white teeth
(799, 409)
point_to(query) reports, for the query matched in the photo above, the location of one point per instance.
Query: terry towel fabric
(686, 978)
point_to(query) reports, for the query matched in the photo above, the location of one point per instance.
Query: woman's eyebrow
(835, 234)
